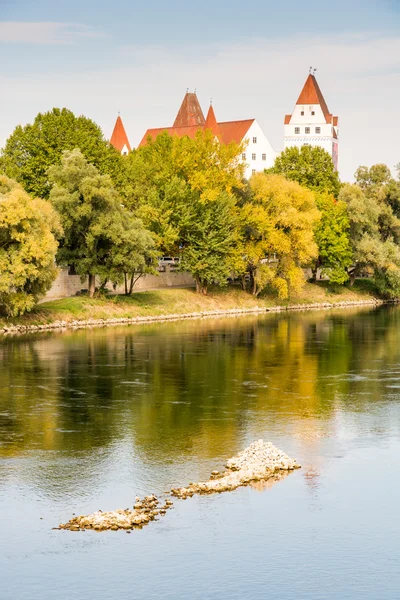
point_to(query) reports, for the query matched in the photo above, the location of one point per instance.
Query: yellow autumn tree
(277, 222)
(27, 248)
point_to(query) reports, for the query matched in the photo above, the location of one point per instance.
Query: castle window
(254, 140)
(253, 157)
(318, 130)
(264, 157)
(297, 129)
(253, 171)
(308, 130)
(313, 112)
(244, 156)
(302, 113)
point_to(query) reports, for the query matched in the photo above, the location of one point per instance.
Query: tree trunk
(314, 271)
(126, 284)
(92, 285)
(198, 285)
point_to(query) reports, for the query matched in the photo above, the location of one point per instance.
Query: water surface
(89, 419)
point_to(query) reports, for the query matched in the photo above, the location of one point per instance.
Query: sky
(139, 58)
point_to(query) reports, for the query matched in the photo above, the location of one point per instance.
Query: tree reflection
(192, 388)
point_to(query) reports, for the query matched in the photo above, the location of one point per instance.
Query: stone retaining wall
(67, 285)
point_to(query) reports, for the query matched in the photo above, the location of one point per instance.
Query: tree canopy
(33, 148)
(27, 248)
(100, 235)
(278, 233)
(332, 238)
(310, 166)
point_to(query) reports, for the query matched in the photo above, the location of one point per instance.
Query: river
(90, 419)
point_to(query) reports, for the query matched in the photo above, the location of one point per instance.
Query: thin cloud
(44, 32)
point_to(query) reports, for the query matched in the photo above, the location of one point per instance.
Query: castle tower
(211, 122)
(119, 139)
(190, 112)
(311, 123)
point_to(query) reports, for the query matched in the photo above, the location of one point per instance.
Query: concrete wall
(66, 285)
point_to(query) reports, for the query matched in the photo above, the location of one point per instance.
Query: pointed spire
(311, 94)
(119, 139)
(211, 121)
(190, 112)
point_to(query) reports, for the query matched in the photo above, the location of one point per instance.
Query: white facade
(308, 125)
(259, 154)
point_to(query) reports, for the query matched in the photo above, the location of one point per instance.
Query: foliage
(209, 240)
(100, 236)
(310, 166)
(27, 248)
(277, 233)
(374, 238)
(32, 149)
(332, 238)
(164, 175)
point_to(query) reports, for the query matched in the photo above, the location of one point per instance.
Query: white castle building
(311, 123)
(258, 155)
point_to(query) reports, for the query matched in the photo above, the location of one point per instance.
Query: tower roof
(311, 94)
(190, 112)
(119, 139)
(211, 121)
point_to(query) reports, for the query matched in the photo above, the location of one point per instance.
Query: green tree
(277, 233)
(375, 251)
(96, 225)
(27, 248)
(310, 166)
(209, 240)
(133, 254)
(32, 149)
(164, 174)
(332, 238)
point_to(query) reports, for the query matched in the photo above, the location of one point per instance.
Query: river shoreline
(60, 325)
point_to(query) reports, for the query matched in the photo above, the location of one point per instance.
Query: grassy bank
(181, 301)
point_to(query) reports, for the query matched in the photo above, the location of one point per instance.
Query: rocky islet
(259, 462)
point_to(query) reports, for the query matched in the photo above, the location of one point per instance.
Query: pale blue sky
(251, 58)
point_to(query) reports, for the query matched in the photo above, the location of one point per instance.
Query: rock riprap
(143, 512)
(259, 462)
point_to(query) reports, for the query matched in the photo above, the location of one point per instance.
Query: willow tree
(28, 245)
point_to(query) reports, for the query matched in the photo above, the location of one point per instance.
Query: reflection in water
(191, 388)
(89, 419)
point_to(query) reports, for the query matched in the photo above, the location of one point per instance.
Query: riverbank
(174, 304)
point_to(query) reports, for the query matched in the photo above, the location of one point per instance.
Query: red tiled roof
(211, 121)
(190, 112)
(336, 121)
(119, 139)
(287, 119)
(229, 131)
(234, 131)
(178, 131)
(311, 94)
